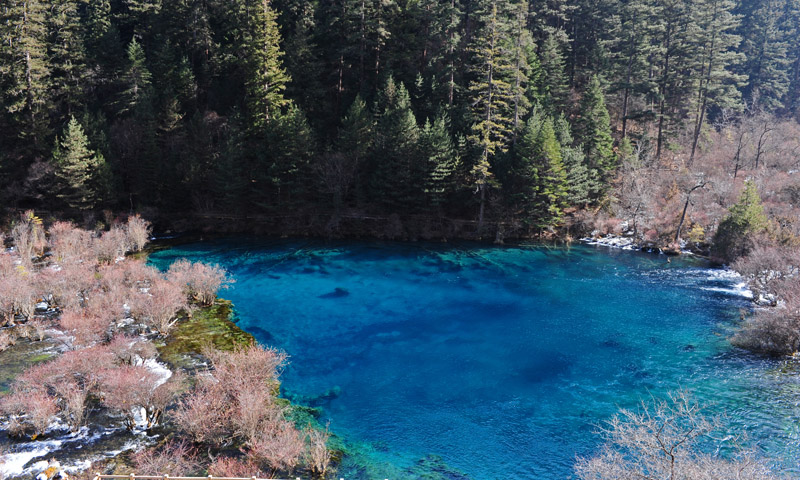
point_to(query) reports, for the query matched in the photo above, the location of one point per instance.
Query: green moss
(207, 326)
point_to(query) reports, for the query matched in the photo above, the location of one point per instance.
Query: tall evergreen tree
(554, 83)
(715, 84)
(492, 95)
(396, 160)
(82, 174)
(266, 78)
(765, 42)
(137, 81)
(594, 130)
(630, 45)
(24, 68)
(440, 162)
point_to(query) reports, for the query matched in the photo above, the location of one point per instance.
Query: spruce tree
(553, 81)
(25, 70)
(395, 183)
(713, 35)
(594, 130)
(746, 218)
(440, 161)
(266, 78)
(137, 80)
(581, 185)
(82, 174)
(492, 95)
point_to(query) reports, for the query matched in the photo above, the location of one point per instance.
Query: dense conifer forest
(508, 112)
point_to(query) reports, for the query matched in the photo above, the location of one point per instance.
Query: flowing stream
(467, 361)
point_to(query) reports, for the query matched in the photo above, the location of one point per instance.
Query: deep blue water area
(496, 362)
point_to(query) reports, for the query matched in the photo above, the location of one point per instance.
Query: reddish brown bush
(131, 274)
(69, 244)
(127, 391)
(199, 281)
(131, 350)
(318, 457)
(138, 231)
(236, 401)
(159, 306)
(68, 285)
(173, 458)
(663, 440)
(31, 411)
(87, 328)
(235, 468)
(776, 330)
(111, 245)
(279, 446)
(6, 340)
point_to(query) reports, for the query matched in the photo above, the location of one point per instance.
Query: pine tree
(765, 43)
(137, 81)
(594, 129)
(492, 95)
(713, 35)
(537, 182)
(266, 78)
(24, 68)
(746, 218)
(673, 62)
(80, 171)
(356, 135)
(553, 82)
(396, 160)
(630, 46)
(67, 55)
(440, 161)
(581, 185)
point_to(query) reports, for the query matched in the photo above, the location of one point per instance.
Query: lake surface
(468, 361)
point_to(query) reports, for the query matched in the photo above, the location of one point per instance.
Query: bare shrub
(87, 328)
(18, 294)
(68, 285)
(237, 399)
(318, 457)
(138, 231)
(173, 458)
(6, 340)
(159, 306)
(664, 440)
(28, 235)
(31, 411)
(204, 415)
(111, 245)
(767, 264)
(73, 400)
(163, 396)
(199, 281)
(70, 244)
(280, 445)
(235, 468)
(131, 350)
(130, 274)
(37, 329)
(776, 330)
(127, 391)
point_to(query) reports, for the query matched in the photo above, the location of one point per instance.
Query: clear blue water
(500, 361)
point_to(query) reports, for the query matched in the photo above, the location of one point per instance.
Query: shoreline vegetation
(145, 354)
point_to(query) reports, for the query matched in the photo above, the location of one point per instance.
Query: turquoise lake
(479, 362)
